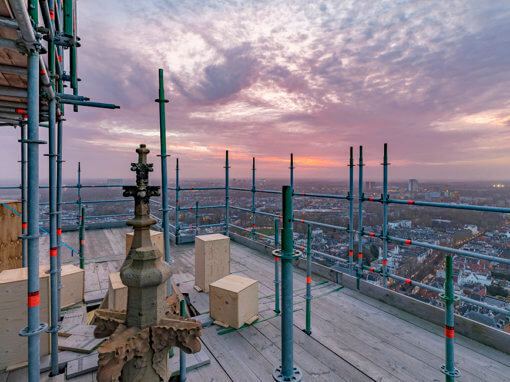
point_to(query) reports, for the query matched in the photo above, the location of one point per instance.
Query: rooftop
(354, 337)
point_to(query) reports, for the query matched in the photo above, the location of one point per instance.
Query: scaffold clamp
(26, 333)
(453, 374)
(295, 254)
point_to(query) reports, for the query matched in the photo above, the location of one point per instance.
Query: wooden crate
(156, 237)
(13, 308)
(234, 300)
(73, 284)
(117, 293)
(13, 315)
(212, 259)
(10, 229)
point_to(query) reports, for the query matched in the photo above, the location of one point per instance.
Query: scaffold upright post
(308, 296)
(54, 242)
(81, 233)
(291, 168)
(60, 141)
(164, 180)
(78, 201)
(182, 354)
(196, 218)
(177, 207)
(253, 233)
(384, 198)
(227, 197)
(351, 210)
(359, 271)
(35, 327)
(23, 128)
(287, 371)
(449, 298)
(276, 269)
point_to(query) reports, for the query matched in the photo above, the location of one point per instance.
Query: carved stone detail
(141, 338)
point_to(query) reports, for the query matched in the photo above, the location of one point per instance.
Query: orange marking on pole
(308, 279)
(20, 111)
(371, 269)
(360, 255)
(276, 258)
(33, 299)
(176, 202)
(410, 202)
(370, 199)
(351, 253)
(384, 262)
(449, 331)
(53, 252)
(408, 242)
(24, 225)
(82, 242)
(59, 58)
(408, 281)
(302, 248)
(371, 234)
(59, 231)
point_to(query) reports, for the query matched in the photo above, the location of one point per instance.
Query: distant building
(432, 195)
(369, 185)
(473, 228)
(400, 224)
(114, 181)
(412, 185)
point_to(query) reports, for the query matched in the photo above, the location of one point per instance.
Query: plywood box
(13, 315)
(212, 259)
(156, 237)
(117, 293)
(234, 300)
(13, 308)
(73, 284)
(10, 230)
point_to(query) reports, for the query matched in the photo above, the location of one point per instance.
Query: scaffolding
(32, 81)
(33, 94)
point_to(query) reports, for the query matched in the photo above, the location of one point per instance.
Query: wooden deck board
(354, 337)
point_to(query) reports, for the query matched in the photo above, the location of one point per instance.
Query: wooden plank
(72, 319)
(10, 229)
(193, 361)
(79, 344)
(231, 362)
(420, 343)
(83, 365)
(63, 358)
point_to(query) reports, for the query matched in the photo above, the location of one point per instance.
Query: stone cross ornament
(141, 336)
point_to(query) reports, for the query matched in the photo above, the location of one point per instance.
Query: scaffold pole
(164, 181)
(276, 269)
(287, 371)
(359, 271)
(384, 198)
(308, 296)
(227, 197)
(351, 209)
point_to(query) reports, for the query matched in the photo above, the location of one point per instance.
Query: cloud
(267, 78)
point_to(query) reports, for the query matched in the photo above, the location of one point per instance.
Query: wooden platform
(354, 337)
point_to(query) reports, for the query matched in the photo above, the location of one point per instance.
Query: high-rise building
(412, 185)
(369, 185)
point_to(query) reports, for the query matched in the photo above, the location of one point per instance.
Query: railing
(352, 266)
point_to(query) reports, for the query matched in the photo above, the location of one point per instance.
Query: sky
(267, 78)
